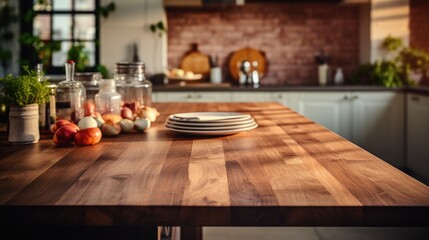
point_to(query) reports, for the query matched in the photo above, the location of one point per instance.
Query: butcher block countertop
(289, 171)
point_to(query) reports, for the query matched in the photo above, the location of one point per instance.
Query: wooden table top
(289, 171)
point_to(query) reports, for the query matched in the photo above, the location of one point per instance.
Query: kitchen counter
(289, 171)
(234, 88)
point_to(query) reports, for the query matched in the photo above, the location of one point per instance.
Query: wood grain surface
(289, 171)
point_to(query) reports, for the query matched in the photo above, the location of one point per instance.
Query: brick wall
(419, 29)
(419, 24)
(288, 33)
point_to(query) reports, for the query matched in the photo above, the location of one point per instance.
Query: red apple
(127, 113)
(60, 123)
(65, 134)
(87, 136)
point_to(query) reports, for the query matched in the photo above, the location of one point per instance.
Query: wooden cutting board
(249, 54)
(195, 61)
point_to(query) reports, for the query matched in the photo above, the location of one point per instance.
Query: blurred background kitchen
(289, 33)
(289, 43)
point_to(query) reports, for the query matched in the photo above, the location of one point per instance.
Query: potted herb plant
(23, 94)
(415, 62)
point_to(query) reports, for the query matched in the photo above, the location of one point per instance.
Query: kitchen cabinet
(418, 134)
(192, 96)
(330, 109)
(372, 120)
(285, 98)
(378, 124)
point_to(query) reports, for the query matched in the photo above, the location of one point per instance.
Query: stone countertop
(207, 87)
(420, 90)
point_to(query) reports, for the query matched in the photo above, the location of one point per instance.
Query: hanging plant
(107, 9)
(158, 28)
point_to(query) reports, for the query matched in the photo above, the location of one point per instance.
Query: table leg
(149, 233)
(191, 233)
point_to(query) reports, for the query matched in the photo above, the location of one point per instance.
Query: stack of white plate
(210, 123)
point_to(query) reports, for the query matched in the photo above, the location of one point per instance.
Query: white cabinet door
(285, 98)
(378, 124)
(329, 109)
(251, 96)
(418, 134)
(192, 97)
(173, 97)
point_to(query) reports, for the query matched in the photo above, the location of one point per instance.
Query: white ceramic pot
(24, 124)
(323, 70)
(415, 76)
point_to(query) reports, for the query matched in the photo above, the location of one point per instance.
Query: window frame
(27, 27)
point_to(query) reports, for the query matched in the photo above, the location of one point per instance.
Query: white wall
(388, 17)
(129, 24)
(13, 45)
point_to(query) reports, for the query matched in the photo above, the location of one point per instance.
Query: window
(65, 24)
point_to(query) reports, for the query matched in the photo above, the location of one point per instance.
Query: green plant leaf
(23, 89)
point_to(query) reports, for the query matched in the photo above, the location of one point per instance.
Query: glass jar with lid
(90, 81)
(108, 100)
(135, 90)
(70, 97)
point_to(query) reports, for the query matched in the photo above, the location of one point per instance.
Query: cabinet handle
(354, 98)
(415, 98)
(346, 97)
(189, 96)
(199, 96)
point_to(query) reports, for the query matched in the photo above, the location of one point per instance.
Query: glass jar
(108, 100)
(70, 97)
(90, 80)
(135, 90)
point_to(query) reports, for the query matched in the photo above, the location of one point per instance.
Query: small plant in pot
(415, 62)
(23, 94)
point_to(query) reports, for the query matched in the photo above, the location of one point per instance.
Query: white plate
(208, 117)
(210, 124)
(213, 133)
(205, 128)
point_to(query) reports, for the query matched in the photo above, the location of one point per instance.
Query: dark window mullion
(97, 33)
(72, 13)
(51, 20)
(73, 22)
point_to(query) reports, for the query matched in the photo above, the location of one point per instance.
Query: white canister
(323, 74)
(216, 75)
(24, 124)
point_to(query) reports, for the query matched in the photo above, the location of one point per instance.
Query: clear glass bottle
(50, 108)
(108, 100)
(135, 90)
(42, 110)
(70, 97)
